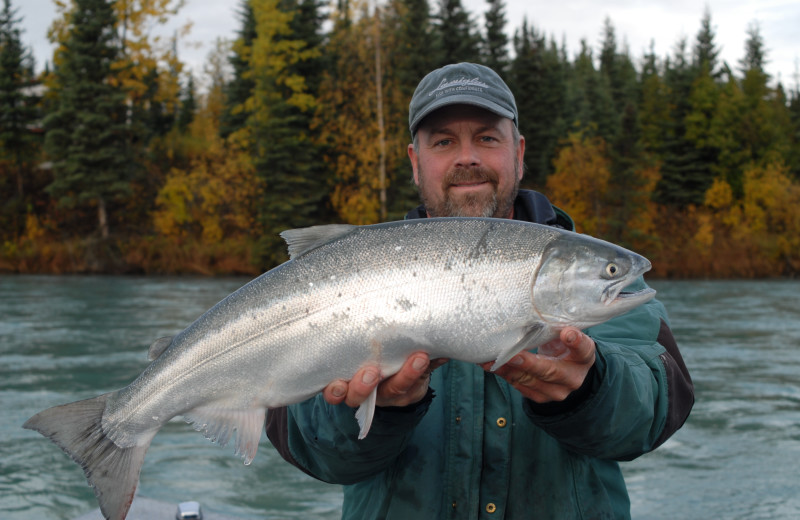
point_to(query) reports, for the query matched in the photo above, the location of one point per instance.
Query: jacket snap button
(501, 422)
(491, 508)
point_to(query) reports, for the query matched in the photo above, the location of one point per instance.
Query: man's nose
(467, 154)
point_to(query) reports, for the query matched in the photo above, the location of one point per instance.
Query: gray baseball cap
(461, 84)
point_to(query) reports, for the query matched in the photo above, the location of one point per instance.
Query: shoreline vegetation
(139, 165)
(720, 240)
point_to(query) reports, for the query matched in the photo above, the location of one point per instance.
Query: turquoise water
(69, 338)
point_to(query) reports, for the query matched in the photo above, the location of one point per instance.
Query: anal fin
(218, 422)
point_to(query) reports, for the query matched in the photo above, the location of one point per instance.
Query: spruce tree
(494, 50)
(682, 166)
(590, 105)
(793, 157)
(410, 53)
(17, 110)
(457, 36)
(240, 88)
(537, 76)
(284, 155)
(85, 138)
(705, 51)
(17, 113)
(188, 105)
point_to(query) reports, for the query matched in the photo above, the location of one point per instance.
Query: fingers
(406, 380)
(558, 369)
(407, 386)
(362, 384)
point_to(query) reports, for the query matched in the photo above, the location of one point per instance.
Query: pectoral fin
(534, 336)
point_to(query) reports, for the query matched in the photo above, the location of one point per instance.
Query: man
(541, 436)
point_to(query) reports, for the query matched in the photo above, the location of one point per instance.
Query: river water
(69, 338)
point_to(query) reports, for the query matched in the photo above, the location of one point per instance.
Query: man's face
(468, 163)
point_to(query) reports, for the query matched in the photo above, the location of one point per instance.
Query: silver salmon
(472, 289)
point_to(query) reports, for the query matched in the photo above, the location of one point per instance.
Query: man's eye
(442, 142)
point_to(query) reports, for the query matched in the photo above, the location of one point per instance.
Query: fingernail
(338, 390)
(419, 364)
(571, 337)
(516, 361)
(369, 377)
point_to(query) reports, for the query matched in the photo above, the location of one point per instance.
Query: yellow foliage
(216, 197)
(580, 182)
(704, 236)
(641, 227)
(33, 229)
(348, 122)
(719, 196)
(772, 207)
(270, 57)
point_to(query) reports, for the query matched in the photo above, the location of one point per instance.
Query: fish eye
(612, 269)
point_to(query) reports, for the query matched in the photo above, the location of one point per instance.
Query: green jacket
(475, 448)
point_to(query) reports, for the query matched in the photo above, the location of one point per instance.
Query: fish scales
(316, 311)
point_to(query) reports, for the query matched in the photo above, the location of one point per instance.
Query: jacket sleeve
(322, 440)
(638, 394)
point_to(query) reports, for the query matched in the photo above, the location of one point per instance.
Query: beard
(491, 204)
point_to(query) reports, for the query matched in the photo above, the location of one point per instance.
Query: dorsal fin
(303, 240)
(158, 347)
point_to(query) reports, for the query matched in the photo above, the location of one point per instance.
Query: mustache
(469, 175)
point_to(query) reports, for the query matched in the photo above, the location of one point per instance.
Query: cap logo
(458, 85)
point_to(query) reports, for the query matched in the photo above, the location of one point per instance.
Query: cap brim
(461, 99)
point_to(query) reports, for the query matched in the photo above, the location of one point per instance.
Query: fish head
(581, 281)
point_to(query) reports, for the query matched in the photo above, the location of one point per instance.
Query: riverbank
(126, 255)
(688, 254)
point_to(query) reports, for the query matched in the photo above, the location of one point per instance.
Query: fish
(471, 289)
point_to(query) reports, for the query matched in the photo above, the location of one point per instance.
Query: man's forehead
(454, 114)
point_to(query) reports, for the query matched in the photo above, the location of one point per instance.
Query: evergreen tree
(284, 155)
(653, 105)
(17, 110)
(495, 45)
(618, 72)
(793, 157)
(682, 167)
(589, 105)
(538, 72)
(240, 88)
(410, 53)
(703, 101)
(458, 39)
(750, 125)
(755, 54)
(188, 106)
(705, 52)
(85, 137)
(414, 53)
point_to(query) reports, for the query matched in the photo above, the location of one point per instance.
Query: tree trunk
(102, 217)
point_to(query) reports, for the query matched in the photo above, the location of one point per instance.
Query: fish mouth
(615, 293)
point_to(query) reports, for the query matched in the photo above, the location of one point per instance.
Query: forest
(116, 158)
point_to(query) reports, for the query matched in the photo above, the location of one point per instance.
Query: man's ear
(412, 155)
(521, 157)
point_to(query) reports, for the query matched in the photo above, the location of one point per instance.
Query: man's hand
(406, 387)
(558, 369)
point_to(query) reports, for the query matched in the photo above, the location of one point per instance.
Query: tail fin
(112, 471)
